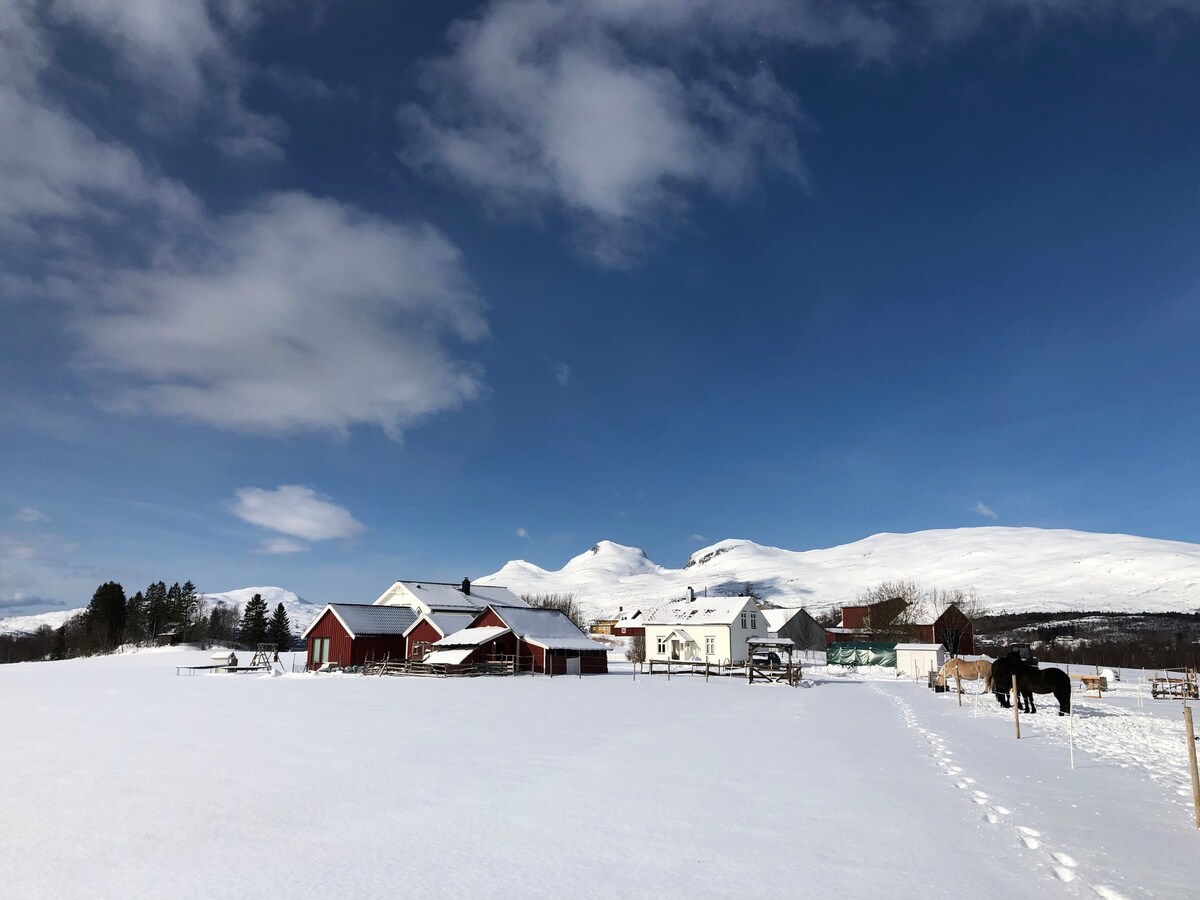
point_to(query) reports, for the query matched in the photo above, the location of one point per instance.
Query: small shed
(346, 634)
(918, 660)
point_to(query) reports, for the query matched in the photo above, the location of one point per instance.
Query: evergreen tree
(279, 631)
(135, 619)
(254, 621)
(174, 593)
(106, 613)
(158, 613)
(189, 603)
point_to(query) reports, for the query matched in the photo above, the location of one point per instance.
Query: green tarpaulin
(861, 653)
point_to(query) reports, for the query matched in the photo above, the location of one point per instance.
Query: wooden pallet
(1175, 684)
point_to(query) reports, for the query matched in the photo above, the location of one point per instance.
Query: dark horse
(1030, 681)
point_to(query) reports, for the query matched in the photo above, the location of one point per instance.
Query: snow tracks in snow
(1061, 865)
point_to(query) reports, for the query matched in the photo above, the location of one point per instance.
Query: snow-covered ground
(119, 779)
(1012, 569)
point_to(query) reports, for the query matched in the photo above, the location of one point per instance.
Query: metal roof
(361, 619)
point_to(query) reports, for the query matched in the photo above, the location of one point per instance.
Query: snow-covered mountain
(1011, 569)
(300, 612)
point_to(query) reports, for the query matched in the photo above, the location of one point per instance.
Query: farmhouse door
(572, 665)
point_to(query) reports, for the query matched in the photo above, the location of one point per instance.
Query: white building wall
(912, 662)
(729, 643)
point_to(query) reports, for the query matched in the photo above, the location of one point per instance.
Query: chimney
(691, 596)
(466, 586)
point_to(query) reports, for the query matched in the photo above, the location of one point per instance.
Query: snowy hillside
(300, 611)
(1012, 569)
(30, 624)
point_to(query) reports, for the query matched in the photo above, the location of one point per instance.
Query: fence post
(1191, 742)
(1072, 738)
(1016, 705)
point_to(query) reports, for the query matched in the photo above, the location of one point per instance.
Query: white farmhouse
(427, 597)
(712, 629)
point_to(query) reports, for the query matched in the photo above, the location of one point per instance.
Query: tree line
(157, 615)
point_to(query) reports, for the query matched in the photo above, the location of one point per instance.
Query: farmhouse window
(710, 645)
(320, 650)
(743, 620)
(662, 645)
(753, 620)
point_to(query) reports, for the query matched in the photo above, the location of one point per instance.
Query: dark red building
(539, 640)
(878, 622)
(346, 634)
(432, 627)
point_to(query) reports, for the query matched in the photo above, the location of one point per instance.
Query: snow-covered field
(119, 779)
(1012, 569)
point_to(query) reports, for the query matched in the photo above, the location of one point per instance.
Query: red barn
(346, 634)
(922, 624)
(432, 627)
(540, 640)
(630, 623)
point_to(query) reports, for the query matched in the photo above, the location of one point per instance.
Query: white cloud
(295, 510)
(30, 515)
(984, 510)
(698, 537)
(60, 169)
(183, 58)
(282, 545)
(575, 107)
(297, 314)
(563, 373)
(615, 114)
(522, 533)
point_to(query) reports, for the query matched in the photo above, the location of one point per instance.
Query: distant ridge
(300, 612)
(1011, 569)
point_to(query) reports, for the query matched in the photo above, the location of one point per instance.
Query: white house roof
(777, 618)
(430, 596)
(360, 619)
(445, 622)
(471, 637)
(928, 647)
(701, 611)
(546, 628)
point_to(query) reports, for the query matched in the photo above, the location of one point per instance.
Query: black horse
(1030, 681)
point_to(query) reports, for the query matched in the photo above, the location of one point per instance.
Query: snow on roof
(701, 611)
(451, 657)
(471, 637)
(361, 619)
(449, 597)
(771, 642)
(919, 647)
(546, 628)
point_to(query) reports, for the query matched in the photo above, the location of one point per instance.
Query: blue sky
(326, 295)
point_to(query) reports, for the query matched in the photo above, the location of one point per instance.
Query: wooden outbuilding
(536, 640)
(432, 627)
(346, 634)
(896, 620)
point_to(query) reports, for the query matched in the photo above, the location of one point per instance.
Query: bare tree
(637, 649)
(566, 604)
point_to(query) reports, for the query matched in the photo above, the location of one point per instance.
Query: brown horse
(965, 670)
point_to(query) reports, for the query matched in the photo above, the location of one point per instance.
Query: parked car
(768, 658)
